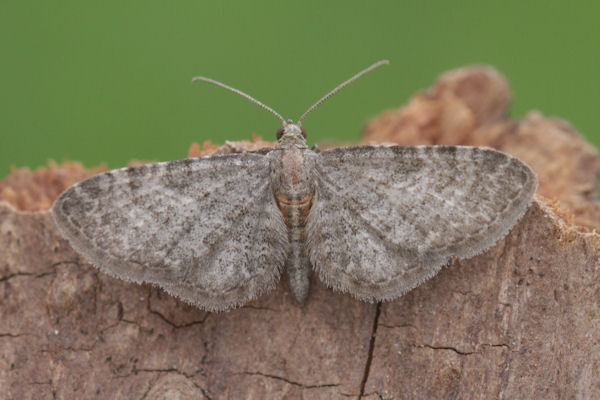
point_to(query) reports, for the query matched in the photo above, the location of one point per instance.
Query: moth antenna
(340, 87)
(244, 95)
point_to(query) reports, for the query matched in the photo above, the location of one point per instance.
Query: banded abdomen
(294, 194)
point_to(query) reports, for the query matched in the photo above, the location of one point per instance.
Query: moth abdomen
(295, 212)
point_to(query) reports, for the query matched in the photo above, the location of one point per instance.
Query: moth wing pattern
(206, 229)
(385, 219)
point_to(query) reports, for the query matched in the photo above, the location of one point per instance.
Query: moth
(372, 221)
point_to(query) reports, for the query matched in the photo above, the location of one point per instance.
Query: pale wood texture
(519, 321)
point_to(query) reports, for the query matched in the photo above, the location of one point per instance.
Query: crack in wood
(367, 369)
(280, 378)
(463, 352)
(168, 321)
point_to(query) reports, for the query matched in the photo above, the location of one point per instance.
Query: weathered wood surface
(519, 321)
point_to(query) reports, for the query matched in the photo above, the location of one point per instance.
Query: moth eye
(279, 133)
(303, 132)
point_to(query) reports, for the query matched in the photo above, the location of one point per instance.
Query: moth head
(291, 133)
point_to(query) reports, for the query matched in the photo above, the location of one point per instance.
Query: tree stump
(521, 320)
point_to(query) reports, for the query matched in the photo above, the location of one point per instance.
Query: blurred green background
(110, 81)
